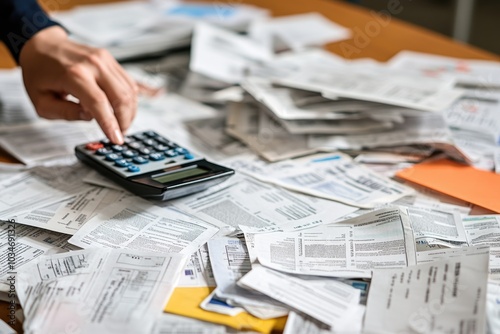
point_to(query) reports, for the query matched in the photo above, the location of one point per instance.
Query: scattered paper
(324, 300)
(137, 224)
(243, 201)
(443, 296)
(97, 290)
(350, 248)
(335, 177)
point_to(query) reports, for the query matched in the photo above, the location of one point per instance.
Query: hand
(54, 67)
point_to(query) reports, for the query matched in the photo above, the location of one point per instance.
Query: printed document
(244, 201)
(97, 291)
(326, 300)
(442, 224)
(377, 85)
(485, 231)
(139, 225)
(446, 296)
(230, 261)
(335, 177)
(224, 55)
(350, 248)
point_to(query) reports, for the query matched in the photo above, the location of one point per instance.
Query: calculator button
(94, 146)
(171, 153)
(129, 153)
(135, 145)
(105, 141)
(149, 142)
(165, 142)
(140, 160)
(118, 148)
(133, 169)
(122, 163)
(128, 139)
(188, 156)
(112, 157)
(156, 156)
(161, 147)
(145, 151)
(150, 134)
(181, 150)
(103, 151)
(139, 137)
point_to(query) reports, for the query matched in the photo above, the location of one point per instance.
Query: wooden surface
(373, 37)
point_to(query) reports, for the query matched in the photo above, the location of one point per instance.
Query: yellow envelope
(460, 181)
(186, 302)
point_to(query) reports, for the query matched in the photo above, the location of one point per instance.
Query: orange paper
(460, 181)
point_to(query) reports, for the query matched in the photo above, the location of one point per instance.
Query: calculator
(152, 166)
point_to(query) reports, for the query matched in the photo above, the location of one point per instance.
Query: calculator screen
(183, 173)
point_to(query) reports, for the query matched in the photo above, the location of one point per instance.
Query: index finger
(94, 101)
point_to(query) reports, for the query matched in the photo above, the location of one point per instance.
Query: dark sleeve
(19, 21)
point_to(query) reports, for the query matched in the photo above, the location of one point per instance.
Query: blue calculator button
(150, 134)
(156, 156)
(181, 150)
(112, 157)
(105, 141)
(118, 148)
(161, 147)
(122, 163)
(103, 151)
(140, 160)
(128, 139)
(188, 156)
(133, 169)
(129, 153)
(171, 153)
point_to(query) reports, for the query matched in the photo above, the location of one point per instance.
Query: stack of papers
(313, 234)
(156, 28)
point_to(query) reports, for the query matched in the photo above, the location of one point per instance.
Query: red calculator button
(94, 146)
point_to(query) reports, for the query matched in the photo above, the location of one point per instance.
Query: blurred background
(476, 22)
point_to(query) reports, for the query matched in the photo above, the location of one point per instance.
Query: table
(377, 35)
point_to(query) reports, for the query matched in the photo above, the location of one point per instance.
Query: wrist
(45, 41)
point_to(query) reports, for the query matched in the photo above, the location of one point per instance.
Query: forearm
(19, 21)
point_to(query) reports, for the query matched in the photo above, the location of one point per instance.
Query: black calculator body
(152, 166)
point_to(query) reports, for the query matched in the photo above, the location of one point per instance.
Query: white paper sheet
(139, 225)
(475, 73)
(376, 85)
(438, 223)
(263, 135)
(230, 261)
(42, 142)
(198, 270)
(97, 291)
(493, 307)
(445, 296)
(325, 300)
(299, 31)
(485, 231)
(246, 201)
(175, 324)
(300, 323)
(224, 55)
(350, 248)
(29, 244)
(335, 177)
